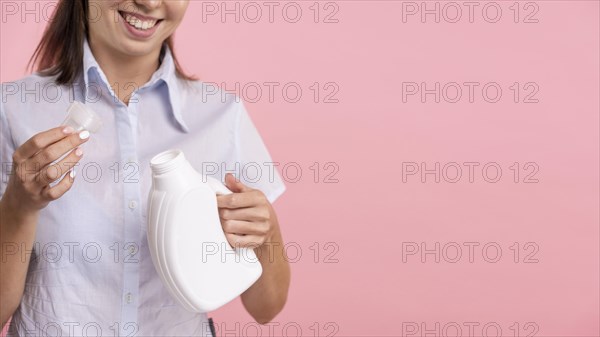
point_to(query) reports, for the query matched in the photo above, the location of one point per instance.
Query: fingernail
(78, 152)
(72, 174)
(84, 134)
(67, 130)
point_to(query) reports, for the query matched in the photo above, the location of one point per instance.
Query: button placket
(127, 129)
(132, 204)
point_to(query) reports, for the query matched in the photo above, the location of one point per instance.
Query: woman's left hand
(246, 215)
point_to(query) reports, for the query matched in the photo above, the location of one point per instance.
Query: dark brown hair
(60, 52)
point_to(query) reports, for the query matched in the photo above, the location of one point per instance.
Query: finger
(244, 241)
(58, 190)
(234, 184)
(52, 172)
(40, 141)
(54, 151)
(246, 213)
(241, 199)
(240, 227)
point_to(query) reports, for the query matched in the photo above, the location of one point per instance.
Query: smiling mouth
(138, 22)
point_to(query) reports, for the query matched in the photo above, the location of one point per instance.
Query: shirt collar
(165, 73)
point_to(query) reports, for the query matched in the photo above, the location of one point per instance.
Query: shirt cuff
(275, 194)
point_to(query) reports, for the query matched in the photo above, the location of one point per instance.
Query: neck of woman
(126, 73)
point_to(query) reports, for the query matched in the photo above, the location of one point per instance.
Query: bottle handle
(220, 189)
(217, 186)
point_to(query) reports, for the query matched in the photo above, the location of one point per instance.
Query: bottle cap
(81, 117)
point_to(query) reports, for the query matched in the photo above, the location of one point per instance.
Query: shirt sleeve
(258, 169)
(7, 149)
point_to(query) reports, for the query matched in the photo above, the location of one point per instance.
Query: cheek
(101, 26)
(177, 10)
(102, 15)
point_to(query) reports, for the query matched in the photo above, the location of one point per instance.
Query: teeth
(139, 24)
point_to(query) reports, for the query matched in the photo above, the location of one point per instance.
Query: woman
(75, 259)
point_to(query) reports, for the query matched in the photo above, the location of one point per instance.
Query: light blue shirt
(91, 272)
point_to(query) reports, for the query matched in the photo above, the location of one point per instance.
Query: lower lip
(140, 34)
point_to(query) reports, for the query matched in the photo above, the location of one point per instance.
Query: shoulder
(31, 90)
(33, 103)
(211, 93)
(208, 100)
(29, 84)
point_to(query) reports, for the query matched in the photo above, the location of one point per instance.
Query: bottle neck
(167, 161)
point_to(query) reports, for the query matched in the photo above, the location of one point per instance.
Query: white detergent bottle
(187, 243)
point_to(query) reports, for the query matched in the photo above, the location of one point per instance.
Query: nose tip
(152, 4)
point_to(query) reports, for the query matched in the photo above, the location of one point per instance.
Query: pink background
(370, 132)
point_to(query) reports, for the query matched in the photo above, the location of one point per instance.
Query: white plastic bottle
(188, 247)
(81, 117)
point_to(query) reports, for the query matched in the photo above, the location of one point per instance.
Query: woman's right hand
(28, 188)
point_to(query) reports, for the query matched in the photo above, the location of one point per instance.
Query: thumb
(234, 184)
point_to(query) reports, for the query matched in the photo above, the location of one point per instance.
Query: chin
(139, 48)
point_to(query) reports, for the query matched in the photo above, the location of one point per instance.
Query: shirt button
(131, 160)
(129, 298)
(132, 204)
(132, 249)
